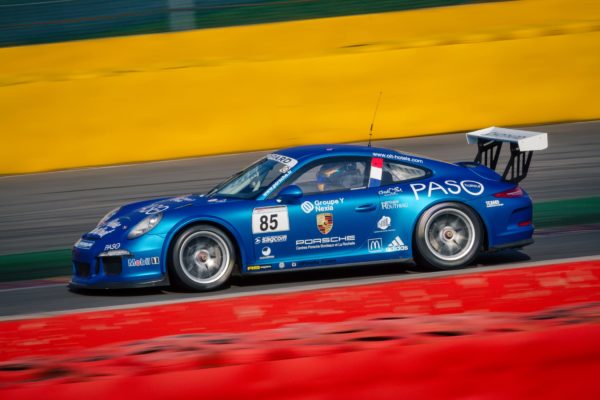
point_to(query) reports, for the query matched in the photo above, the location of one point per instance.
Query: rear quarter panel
(406, 202)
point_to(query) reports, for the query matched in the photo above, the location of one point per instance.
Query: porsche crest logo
(325, 222)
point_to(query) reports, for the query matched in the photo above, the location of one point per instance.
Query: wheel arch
(482, 221)
(229, 230)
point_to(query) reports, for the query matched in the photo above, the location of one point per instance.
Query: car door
(332, 223)
(399, 207)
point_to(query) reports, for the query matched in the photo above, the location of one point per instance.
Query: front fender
(210, 219)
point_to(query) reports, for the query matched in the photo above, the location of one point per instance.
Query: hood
(130, 214)
(162, 205)
(174, 203)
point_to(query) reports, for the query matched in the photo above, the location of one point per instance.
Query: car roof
(302, 152)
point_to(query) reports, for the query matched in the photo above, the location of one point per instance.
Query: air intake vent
(82, 269)
(112, 265)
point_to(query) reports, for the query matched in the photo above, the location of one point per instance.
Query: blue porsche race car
(319, 206)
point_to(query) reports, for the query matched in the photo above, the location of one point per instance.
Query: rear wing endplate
(522, 145)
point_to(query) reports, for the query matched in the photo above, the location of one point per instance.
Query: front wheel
(203, 258)
(448, 236)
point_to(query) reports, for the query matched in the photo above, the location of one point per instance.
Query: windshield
(251, 182)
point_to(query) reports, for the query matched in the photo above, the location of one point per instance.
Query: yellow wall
(236, 89)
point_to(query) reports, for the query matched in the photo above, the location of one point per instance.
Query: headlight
(145, 226)
(109, 216)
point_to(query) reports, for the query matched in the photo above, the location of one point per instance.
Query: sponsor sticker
(154, 209)
(270, 219)
(266, 253)
(393, 205)
(307, 207)
(113, 246)
(285, 160)
(84, 244)
(391, 191)
(384, 223)
(106, 229)
(396, 245)
(143, 262)
(182, 199)
(493, 203)
(375, 245)
(399, 157)
(326, 242)
(325, 223)
(278, 182)
(321, 205)
(271, 239)
(449, 186)
(259, 267)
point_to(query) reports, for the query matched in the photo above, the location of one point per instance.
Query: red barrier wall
(489, 335)
(522, 290)
(556, 362)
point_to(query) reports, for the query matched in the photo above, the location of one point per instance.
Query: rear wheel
(448, 236)
(203, 258)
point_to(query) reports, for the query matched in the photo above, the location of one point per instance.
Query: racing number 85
(267, 223)
(270, 219)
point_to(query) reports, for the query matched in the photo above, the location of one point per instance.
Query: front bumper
(142, 265)
(120, 285)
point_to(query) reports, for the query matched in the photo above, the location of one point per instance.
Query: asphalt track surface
(50, 210)
(57, 298)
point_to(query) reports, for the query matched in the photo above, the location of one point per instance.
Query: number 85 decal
(270, 219)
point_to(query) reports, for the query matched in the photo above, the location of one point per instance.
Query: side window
(395, 173)
(332, 175)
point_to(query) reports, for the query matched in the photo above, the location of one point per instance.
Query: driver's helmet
(337, 175)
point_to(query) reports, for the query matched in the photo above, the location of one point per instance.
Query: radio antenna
(373, 120)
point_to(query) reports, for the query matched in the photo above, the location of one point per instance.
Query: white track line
(34, 287)
(309, 287)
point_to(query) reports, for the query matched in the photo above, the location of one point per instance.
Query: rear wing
(522, 145)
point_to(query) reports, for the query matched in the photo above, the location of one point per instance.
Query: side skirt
(317, 267)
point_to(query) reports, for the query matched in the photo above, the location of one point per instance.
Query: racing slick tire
(203, 258)
(448, 236)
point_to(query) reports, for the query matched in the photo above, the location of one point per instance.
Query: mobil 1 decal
(270, 219)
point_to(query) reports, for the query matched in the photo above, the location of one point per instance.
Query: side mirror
(289, 194)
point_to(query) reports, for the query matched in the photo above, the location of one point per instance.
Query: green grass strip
(42, 264)
(566, 212)
(214, 16)
(45, 264)
(211, 15)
